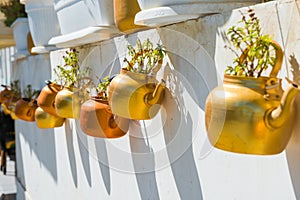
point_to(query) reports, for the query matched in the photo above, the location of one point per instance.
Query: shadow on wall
(41, 142)
(102, 157)
(84, 153)
(71, 153)
(293, 148)
(143, 163)
(192, 63)
(178, 130)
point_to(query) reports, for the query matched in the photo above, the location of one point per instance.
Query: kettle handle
(278, 59)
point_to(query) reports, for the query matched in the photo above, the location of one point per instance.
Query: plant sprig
(256, 50)
(144, 58)
(102, 87)
(30, 93)
(15, 90)
(70, 74)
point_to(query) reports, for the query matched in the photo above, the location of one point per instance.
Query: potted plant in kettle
(25, 107)
(250, 113)
(9, 96)
(69, 99)
(135, 93)
(46, 99)
(96, 118)
(45, 114)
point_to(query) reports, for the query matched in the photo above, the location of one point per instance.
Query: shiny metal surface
(46, 98)
(25, 109)
(67, 104)
(45, 120)
(97, 120)
(135, 96)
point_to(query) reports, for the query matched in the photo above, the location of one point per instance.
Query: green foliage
(12, 9)
(70, 74)
(256, 50)
(144, 58)
(15, 90)
(102, 87)
(29, 93)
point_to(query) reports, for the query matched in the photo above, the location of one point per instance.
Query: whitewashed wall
(168, 157)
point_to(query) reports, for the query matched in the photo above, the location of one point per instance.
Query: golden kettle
(67, 103)
(135, 95)
(251, 115)
(45, 120)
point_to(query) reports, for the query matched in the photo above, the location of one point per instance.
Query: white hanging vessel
(163, 12)
(43, 23)
(83, 22)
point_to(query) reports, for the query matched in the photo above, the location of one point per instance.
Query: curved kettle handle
(278, 59)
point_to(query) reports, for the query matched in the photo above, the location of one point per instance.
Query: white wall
(168, 157)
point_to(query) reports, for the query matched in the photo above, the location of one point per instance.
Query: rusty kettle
(251, 115)
(135, 95)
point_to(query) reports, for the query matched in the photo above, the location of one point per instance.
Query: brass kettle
(97, 120)
(135, 95)
(67, 103)
(46, 98)
(45, 120)
(25, 109)
(251, 115)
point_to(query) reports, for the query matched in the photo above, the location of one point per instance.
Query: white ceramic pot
(162, 12)
(20, 30)
(84, 21)
(74, 15)
(43, 23)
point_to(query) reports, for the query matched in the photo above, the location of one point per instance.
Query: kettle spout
(277, 117)
(157, 95)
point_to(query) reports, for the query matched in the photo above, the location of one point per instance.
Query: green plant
(29, 93)
(144, 58)
(102, 87)
(12, 9)
(256, 52)
(15, 90)
(70, 74)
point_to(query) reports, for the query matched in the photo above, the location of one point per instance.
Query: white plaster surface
(168, 157)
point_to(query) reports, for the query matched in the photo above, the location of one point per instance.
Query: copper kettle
(46, 98)
(97, 120)
(25, 109)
